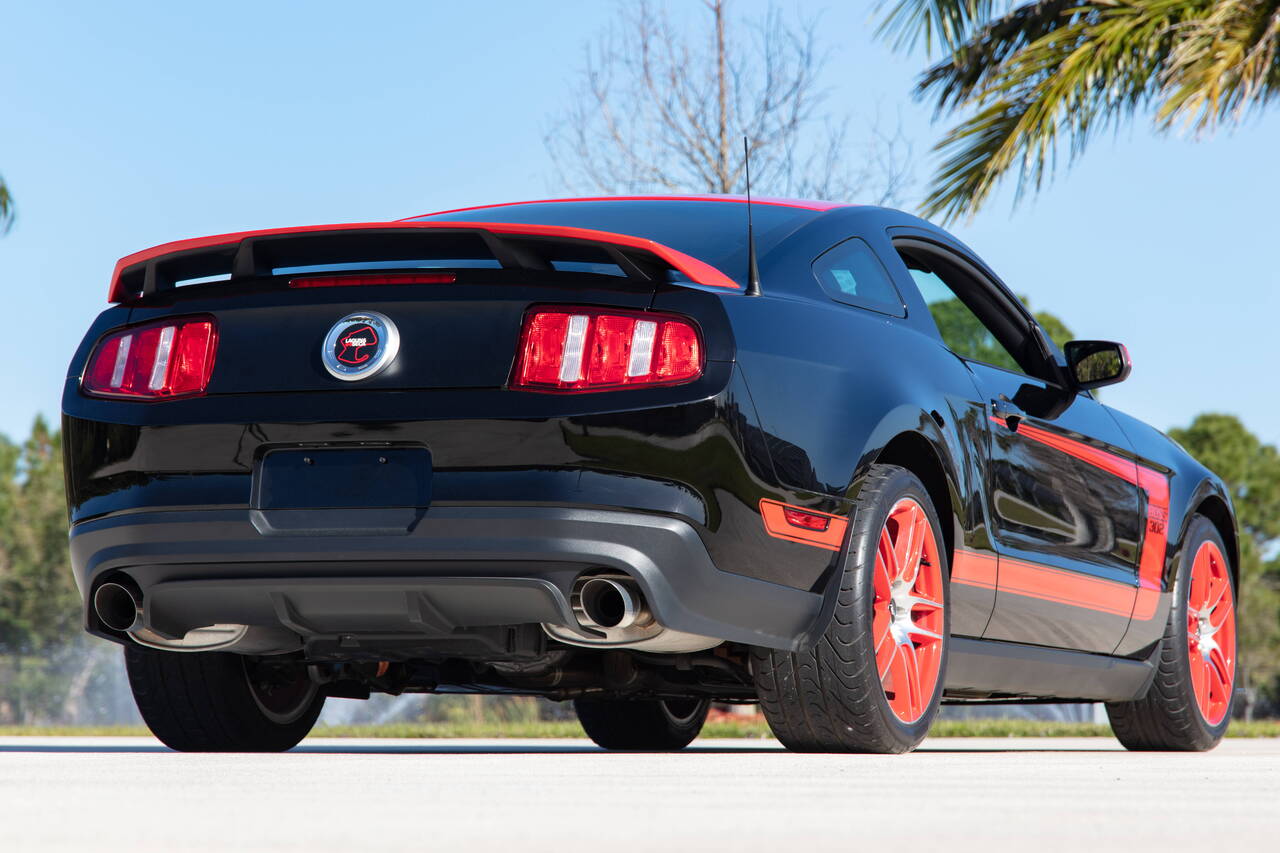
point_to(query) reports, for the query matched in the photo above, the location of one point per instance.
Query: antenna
(753, 271)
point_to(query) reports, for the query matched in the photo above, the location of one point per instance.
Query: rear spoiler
(254, 254)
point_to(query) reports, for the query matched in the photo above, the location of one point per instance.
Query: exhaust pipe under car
(611, 612)
(601, 602)
(118, 607)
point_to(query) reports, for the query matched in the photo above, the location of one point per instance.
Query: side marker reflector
(805, 526)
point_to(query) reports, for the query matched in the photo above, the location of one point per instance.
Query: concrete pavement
(953, 794)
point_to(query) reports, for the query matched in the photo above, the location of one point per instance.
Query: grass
(749, 727)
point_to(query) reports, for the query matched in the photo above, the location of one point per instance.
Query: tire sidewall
(869, 519)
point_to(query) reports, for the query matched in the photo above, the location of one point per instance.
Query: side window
(963, 331)
(851, 273)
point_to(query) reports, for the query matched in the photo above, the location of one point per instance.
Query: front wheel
(1187, 708)
(873, 681)
(222, 702)
(661, 725)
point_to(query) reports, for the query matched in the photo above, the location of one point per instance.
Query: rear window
(851, 273)
(714, 232)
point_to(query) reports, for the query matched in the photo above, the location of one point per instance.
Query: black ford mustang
(580, 449)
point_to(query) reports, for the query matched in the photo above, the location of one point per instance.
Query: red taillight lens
(807, 520)
(588, 349)
(171, 358)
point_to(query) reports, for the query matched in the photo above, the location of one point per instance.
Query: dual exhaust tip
(118, 607)
(599, 602)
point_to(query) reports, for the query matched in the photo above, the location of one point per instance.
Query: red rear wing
(251, 254)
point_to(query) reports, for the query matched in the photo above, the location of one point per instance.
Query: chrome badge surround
(384, 349)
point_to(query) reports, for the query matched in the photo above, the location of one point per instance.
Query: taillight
(591, 349)
(171, 358)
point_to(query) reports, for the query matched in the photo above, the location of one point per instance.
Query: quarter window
(851, 273)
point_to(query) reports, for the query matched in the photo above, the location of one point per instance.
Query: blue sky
(127, 125)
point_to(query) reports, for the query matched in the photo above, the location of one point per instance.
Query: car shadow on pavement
(524, 748)
(379, 749)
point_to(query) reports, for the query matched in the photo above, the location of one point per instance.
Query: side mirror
(1096, 363)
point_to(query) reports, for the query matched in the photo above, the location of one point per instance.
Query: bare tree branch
(658, 109)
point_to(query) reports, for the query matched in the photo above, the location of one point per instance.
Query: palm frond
(948, 23)
(972, 64)
(1094, 64)
(1225, 63)
(7, 209)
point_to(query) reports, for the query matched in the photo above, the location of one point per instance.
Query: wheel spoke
(1223, 607)
(886, 652)
(1219, 668)
(915, 701)
(898, 682)
(1199, 592)
(1200, 679)
(880, 624)
(920, 601)
(886, 563)
(1218, 586)
(910, 544)
(917, 631)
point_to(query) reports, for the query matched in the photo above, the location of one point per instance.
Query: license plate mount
(343, 478)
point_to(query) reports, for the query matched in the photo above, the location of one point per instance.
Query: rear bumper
(427, 573)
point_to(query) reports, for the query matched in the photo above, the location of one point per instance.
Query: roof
(805, 204)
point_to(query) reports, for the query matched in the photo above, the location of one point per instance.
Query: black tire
(221, 702)
(830, 698)
(662, 725)
(1168, 717)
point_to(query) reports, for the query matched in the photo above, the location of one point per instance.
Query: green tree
(39, 605)
(1032, 74)
(965, 333)
(1251, 471)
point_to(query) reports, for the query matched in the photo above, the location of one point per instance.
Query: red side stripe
(1065, 587)
(1155, 537)
(1126, 469)
(974, 569)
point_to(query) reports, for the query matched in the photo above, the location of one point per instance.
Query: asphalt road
(954, 795)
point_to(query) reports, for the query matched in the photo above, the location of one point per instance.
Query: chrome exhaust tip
(118, 607)
(611, 612)
(602, 603)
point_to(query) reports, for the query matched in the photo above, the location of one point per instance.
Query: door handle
(1007, 413)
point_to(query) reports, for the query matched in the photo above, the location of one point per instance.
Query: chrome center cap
(1205, 633)
(900, 601)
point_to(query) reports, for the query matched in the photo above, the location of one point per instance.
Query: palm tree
(1031, 75)
(6, 207)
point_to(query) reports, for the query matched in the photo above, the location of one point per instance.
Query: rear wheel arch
(916, 453)
(1215, 508)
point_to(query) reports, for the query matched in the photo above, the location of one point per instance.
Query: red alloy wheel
(908, 620)
(1211, 633)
